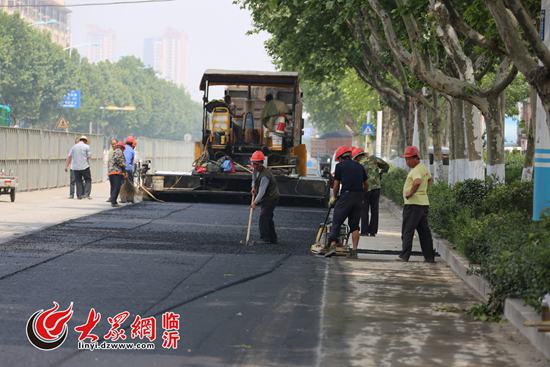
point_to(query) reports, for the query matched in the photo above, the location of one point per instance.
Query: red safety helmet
(130, 140)
(411, 151)
(121, 145)
(341, 151)
(257, 156)
(356, 152)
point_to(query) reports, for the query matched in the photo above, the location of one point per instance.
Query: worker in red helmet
(129, 155)
(266, 194)
(116, 171)
(350, 181)
(415, 210)
(374, 167)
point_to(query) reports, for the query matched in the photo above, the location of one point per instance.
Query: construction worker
(265, 193)
(352, 178)
(115, 170)
(415, 210)
(374, 167)
(129, 155)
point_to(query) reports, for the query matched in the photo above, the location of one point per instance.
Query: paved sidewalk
(381, 312)
(49, 207)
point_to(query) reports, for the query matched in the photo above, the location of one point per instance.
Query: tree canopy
(35, 74)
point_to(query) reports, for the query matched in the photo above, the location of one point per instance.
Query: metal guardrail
(37, 157)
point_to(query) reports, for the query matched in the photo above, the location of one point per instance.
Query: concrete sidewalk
(48, 207)
(382, 312)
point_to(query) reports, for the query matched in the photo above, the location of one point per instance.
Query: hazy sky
(215, 29)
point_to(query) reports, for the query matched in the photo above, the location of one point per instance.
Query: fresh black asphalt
(256, 305)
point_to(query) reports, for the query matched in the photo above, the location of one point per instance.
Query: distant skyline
(215, 29)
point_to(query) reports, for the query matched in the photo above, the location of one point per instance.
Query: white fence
(37, 157)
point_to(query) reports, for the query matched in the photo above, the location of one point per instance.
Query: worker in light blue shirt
(129, 154)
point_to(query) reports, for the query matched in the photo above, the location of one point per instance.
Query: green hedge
(490, 224)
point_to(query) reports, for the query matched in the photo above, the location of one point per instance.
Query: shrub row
(490, 224)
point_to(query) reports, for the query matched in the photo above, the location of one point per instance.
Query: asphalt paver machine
(233, 128)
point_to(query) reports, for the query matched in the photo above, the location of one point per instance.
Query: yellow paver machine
(260, 111)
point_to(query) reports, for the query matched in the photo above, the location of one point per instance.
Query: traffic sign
(71, 99)
(368, 129)
(62, 123)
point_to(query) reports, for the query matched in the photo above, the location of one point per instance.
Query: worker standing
(415, 210)
(129, 155)
(352, 178)
(117, 163)
(374, 167)
(79, 161)
(265, 193)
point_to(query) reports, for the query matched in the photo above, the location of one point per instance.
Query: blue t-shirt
(351, 175)
(129, 154)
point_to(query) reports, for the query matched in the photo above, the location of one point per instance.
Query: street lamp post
(71, 47)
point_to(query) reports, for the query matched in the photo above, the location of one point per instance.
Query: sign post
(541, 197)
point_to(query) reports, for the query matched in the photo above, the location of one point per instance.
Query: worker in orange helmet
(416, 207)
(266, 194)
(350, 181)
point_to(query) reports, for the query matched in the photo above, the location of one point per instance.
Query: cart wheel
(12, 195)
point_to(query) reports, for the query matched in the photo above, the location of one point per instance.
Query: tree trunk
(458, 163)
(494, 121)
(422, 117)
(401, 138)
(473, 140)
(437, 173)
(409, 122)
(387, 132)
(527, 172)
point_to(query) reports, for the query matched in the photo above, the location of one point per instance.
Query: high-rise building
(100, 44)
(167, 55)
(51, 19)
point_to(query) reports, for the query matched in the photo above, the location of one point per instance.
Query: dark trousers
(116, 183)
(415, 217)
(347, 207)
(130, 176)
(371, 202)
(83, 182)
(72, 184)
(267, 226)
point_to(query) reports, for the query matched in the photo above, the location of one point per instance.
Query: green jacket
(374, 167)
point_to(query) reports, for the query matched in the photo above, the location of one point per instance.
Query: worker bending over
(353, 180)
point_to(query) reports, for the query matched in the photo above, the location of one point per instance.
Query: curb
(515, 311)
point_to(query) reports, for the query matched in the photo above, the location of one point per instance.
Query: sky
(215, 29)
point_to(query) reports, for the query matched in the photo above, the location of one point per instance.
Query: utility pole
(541, 197)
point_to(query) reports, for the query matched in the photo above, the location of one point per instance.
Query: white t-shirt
(80, 156)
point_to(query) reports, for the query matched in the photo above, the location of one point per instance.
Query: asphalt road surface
(245, 306)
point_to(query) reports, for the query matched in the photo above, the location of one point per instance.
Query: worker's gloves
(332, 201)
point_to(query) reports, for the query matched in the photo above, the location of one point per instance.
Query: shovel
(245, 242)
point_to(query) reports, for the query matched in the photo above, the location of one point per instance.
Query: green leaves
(35, 74)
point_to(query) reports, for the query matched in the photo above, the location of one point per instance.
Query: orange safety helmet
(121, 145)
(341, 151)
(257, 156)
(130, 140)
(411, 151)
(356, 152)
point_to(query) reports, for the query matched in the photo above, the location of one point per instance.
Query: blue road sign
(368, 129)
(71, 99)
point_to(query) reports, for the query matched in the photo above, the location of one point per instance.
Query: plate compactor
(322, 244)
